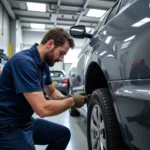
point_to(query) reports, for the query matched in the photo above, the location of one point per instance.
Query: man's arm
(47, 108)
(52, 92)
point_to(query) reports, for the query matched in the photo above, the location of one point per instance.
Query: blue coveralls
(25, 72)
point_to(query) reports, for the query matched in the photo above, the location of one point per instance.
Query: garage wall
(4, 29)
(19, 38)
(31, 37)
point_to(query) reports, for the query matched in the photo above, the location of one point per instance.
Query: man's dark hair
(59, 35)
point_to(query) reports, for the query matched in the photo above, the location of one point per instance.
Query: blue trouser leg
(39, 131)
(55, 135)
(14, 137)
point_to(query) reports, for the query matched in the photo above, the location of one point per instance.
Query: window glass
(56, 74)
(123, 2)
(117, 7)
(113, 12)
(102, 20)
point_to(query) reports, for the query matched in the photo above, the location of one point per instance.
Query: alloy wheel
(97, 129)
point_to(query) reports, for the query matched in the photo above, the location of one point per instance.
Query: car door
(124, 53)
(81, 76)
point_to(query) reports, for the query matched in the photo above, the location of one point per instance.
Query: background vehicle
(60, 80)
(3, 59)
(114, 67)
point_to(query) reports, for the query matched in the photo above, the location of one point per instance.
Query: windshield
(56, 74)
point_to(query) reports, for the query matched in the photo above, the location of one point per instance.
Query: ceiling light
(36, 7)
(141, 22)
(96, 13)
(37, 26)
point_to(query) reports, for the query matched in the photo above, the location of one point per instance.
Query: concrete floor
(77, 127)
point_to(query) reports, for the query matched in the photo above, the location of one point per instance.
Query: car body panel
(121, 51)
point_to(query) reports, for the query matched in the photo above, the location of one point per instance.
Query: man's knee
(67, 133)
(61, 140)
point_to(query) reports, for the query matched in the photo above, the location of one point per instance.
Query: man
(22, 82)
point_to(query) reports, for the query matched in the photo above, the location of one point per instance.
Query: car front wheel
(102, 126)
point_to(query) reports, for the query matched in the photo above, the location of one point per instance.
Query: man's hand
(79, 99)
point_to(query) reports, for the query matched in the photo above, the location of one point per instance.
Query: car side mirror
(79, 32)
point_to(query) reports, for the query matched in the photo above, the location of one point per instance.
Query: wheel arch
(94, 78)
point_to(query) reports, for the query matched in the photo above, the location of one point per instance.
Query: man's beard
(49, 58)
(49, 62)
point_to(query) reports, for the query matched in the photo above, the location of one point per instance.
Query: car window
(118, 5)
(113, 12)
(102, 21)
(56, 74)
(123, 3)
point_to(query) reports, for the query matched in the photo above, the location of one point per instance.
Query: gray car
(114, 67)
(60, 80)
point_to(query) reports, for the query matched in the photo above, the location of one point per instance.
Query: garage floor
(77, 127)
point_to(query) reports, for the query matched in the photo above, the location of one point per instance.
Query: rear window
(56, 74)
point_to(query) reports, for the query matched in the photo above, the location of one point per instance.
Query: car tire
(103, 131)
(74, 112)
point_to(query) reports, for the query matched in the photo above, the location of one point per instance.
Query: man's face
(56, 54)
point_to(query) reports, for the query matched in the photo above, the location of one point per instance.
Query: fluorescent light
(96, 13)
(141, 22)
(36, 7)
(37, 26)
(129, 39)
